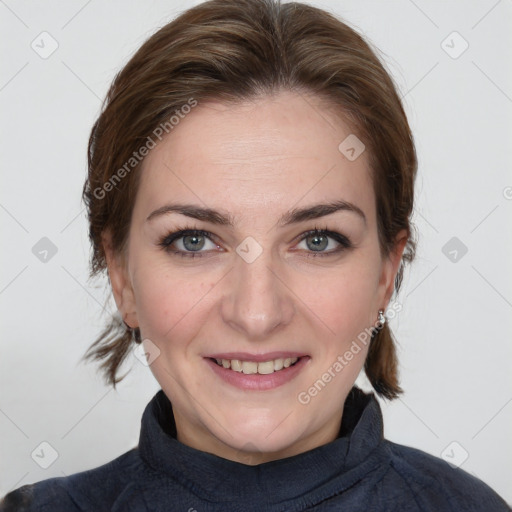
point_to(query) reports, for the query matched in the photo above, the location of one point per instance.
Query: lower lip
(256, 381)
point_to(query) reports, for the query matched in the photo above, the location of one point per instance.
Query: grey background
(454, 328)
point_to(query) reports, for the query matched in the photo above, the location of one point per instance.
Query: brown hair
(232, 50)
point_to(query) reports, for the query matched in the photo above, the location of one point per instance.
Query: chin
(272, 432)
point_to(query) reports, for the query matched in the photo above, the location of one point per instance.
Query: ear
(389, 269)
(120, 281)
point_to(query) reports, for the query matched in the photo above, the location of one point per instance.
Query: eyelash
(166, 241)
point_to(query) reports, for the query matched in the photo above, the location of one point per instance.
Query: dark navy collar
(214, 478)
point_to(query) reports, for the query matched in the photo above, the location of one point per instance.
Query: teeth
(266, 368)
(236, 365)
(248, 367)
(252, 367)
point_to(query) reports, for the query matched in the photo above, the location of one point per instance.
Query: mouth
(256, 367)
(257, 372)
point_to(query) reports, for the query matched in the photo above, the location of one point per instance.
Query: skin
(254, 160)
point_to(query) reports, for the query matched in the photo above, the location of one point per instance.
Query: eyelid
(170, 238)
(339, 237)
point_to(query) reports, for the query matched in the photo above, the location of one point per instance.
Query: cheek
(168, 305)
(342, 299)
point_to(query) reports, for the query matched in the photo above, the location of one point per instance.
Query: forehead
(256, 157)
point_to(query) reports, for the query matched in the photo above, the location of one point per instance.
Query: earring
(382, 319)
(135, 331)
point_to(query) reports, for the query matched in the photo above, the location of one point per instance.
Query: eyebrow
(293, 216)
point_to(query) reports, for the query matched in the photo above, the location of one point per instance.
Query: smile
(257, 372)
(253, 367)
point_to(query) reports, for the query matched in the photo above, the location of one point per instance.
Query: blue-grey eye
(317, 242)
(193, 242)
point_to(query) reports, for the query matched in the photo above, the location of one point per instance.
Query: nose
(257, 301)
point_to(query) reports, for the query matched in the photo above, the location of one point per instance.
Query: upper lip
(245, 356)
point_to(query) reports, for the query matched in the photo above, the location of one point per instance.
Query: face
(252, 285)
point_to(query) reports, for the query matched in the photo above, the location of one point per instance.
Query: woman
(250, 187)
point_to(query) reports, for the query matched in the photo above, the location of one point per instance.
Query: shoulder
(436, 485)
(95, 489)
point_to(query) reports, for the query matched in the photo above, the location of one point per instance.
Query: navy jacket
(358, 471)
